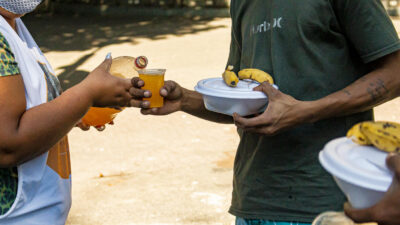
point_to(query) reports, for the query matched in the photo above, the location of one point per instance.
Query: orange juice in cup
(153, 81)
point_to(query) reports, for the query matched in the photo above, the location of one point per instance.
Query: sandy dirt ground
(149, 170)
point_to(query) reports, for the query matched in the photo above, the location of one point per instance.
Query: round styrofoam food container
(219, 97)
(360, 171)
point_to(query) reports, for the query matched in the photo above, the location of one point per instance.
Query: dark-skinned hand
(283, 112)
(171, 91)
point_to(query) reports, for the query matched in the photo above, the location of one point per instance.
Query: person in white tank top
(35, 117)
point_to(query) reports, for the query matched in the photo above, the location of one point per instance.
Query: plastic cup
(153, 81)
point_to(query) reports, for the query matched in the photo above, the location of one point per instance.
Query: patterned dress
(8, 176)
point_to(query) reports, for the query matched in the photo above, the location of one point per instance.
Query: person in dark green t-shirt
(333, 61)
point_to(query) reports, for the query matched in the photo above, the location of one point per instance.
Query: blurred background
(143, 3)
(150, 170)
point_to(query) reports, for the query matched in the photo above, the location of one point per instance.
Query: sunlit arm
(193, 104)
(379, 86)
(176, 98)
(25, 134)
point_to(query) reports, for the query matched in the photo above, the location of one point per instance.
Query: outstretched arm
(176, 99)
(25, 134)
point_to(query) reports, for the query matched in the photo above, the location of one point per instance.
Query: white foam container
(219, 97)
(360, 171)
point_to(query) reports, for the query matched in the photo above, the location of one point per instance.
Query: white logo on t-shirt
(266, 26)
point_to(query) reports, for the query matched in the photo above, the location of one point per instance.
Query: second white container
(360, 171)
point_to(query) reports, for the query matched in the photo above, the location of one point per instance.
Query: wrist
(191, 101)
(83, 93)
(185, 101)
(310, 111)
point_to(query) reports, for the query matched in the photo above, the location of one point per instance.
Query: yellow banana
(357, 136)
(230, 77)
(256, 74)
(383, 135)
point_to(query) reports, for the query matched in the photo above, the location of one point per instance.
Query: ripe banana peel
(383, 135)
(357, 136)
(230, 77)
(256, 74)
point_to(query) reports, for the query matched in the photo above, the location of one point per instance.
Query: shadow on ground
(66, 33)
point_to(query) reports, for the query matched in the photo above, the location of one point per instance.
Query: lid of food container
(364, 166)
(217, 87)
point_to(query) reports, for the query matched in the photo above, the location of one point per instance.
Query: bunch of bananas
(383, 135)
(231, 79)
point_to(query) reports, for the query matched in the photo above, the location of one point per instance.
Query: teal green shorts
(241, 221)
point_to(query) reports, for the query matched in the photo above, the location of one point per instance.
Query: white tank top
(44, 183)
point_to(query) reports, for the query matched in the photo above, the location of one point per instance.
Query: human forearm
(40, 127)
(192, 103)
(375, 88)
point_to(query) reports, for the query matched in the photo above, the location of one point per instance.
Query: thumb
(266, 88)
(106, 64)
(358, 215)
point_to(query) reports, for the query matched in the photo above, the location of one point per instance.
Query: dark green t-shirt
(312, 48)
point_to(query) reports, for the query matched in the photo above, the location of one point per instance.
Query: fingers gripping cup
(153, 81)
